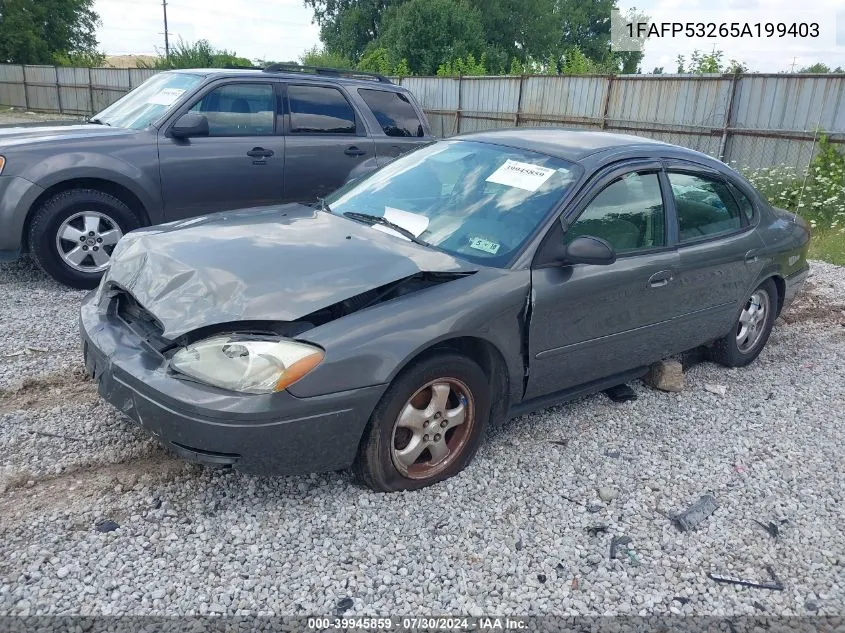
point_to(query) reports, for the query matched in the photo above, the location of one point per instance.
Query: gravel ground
(510, 535)
(16, 116)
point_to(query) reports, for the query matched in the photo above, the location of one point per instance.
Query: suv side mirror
(586, 249)
(189, 125)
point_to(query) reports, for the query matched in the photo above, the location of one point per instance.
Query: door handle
(660, 279)
(354, 151)
(751, 256)
(260, 152)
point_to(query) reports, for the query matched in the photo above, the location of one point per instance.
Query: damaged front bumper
(260, 433)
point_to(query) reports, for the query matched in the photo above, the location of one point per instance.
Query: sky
(282, 29)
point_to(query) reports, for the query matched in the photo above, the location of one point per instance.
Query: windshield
(149, 101)
(477, 200)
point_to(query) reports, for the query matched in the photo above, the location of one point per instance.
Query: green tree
(199, 54)
(519, 29)
(318, 56)
(701, 63)
(427, 33)
(42, 31)
(347, 27)
(820, 68)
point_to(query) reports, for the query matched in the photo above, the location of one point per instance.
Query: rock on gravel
(194, 540)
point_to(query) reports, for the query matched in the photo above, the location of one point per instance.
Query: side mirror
(586, 249)
(189, 125)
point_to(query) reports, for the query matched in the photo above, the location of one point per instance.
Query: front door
(325, 141)
(239, 164)
(591, 321)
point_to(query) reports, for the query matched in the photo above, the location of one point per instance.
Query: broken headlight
(247, 363)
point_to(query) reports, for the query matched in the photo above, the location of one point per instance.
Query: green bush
(200, 54)
(818, 196)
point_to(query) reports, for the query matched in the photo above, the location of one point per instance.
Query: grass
(828, 246)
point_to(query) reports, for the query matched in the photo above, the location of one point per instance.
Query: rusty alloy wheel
(432, 428)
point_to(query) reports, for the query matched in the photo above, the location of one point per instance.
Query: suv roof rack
(331, 72)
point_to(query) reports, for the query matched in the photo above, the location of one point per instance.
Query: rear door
(400, 127)
(325, 140)
(239, 164)
(717, 246)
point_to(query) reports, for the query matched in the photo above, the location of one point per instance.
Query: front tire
(427, 426)
(73, 234)
(753, 325)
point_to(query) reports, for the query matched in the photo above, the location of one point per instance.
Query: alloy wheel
(432, 428)
(752, 321)
(86, 240)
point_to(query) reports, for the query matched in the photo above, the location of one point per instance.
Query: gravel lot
(16, 116)
(508, 536)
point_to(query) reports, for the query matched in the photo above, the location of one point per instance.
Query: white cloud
(279, 30)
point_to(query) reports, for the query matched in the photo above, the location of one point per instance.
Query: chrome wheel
(85, 241)
(752, 321)
(432, 428)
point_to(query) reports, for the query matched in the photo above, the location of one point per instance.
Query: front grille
(141, 322)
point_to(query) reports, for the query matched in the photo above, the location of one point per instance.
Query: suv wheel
(73, 235)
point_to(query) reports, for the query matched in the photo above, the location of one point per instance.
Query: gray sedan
(472, 280)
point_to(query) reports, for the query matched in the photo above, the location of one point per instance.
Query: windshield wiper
(322, 205)
(97, 121)
(377, 219)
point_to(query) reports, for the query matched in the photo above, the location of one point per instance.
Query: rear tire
(73, 234)
(753, 325)
(427, 426)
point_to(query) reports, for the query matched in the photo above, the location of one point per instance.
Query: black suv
(191, 142)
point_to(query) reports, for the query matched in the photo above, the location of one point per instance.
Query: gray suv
(192, 142)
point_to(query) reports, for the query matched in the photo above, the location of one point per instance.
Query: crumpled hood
(23, 135)
(272, 264)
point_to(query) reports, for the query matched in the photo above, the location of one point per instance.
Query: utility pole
(166, 35)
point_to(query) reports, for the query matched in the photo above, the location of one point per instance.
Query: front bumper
(17, 195)
(268, 434)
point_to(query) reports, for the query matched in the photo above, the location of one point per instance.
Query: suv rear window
(319, 110)
(393, 111)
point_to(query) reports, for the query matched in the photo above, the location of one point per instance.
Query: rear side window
(319, 110)
(393, 111)
(744, 203)
(705, 207)
(239, 110)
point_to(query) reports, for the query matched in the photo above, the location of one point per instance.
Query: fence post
(723, 143)
(92, 111)
(129, 79)
(519, 101)
(25, 96)
(58, 90)
(607, 101)
(457, 125)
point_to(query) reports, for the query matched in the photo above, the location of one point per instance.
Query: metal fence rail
(750, 120)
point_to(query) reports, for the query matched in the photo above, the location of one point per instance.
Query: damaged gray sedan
(475, 279)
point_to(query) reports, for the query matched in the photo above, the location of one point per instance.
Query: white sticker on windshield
(166, 97)
(480, 244)
(522, 175)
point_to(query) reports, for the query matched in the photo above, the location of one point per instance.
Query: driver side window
(628, 214)
(239, 110)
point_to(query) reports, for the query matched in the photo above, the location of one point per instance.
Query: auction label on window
(166, 97)
(521, 175)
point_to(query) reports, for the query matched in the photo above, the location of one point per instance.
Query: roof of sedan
(572, 145)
